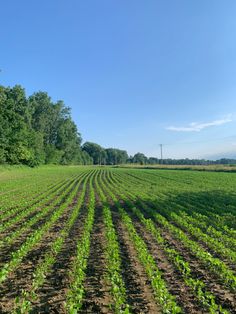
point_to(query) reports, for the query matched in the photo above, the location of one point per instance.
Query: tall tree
(140, 158)
(95, 151)
(16, 136)
(116, 156)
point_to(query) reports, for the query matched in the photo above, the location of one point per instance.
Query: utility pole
(161, 145)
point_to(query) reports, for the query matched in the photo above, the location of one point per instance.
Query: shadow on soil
(206, 203)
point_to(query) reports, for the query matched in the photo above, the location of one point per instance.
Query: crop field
(113, 240)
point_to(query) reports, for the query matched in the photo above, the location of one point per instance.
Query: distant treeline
(35, 130)
(187, 161)
(111, 156)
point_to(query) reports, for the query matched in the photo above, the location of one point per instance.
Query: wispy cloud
(197, 127)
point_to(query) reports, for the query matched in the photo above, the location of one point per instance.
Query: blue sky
(135, 73)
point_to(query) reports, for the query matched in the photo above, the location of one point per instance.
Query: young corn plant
(114, 265)
(39, 276)
(77, 274)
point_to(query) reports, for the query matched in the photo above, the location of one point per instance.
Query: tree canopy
(35, 130)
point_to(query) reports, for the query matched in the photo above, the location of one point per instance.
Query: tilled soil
(204, 245)
(36, 199)
(138, 288)
(21, 278)
(8, 249)
(175, 283)
(97, 298)
(224, 296)
(51, 296)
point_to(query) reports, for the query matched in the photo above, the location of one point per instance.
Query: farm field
(217, 168)
(117, 240)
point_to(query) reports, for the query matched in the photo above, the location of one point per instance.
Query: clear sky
(135, 73)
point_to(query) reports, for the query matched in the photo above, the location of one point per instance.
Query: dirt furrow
(205, 247)
(52, 295)
(6, 250)
(34, 200)
(213, 283)
(21, 278)
(138, 288)
(97, 298)
(224, 296)
(174, 281)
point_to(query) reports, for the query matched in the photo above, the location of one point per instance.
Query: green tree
(116, 156)
(140, 158)
(15, 131)
(95, 151)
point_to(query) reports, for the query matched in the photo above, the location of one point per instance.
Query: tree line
(35, 130)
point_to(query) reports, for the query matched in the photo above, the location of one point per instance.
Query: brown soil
(52, 295)
(204, 246)
(97, 298)
(21, 278)
(34, 199)
(224, 296)
(8, 249)
(138, 288)
(175, 284)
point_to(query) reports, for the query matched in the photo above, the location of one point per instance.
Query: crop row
(77, 273)
(205, 298)
(113, 259)
(24, 302)
(161, 293)
(215, 264)
(37, 235)
(29, 210)
(55, 201)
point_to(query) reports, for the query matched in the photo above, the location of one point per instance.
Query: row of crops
(113, 240)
